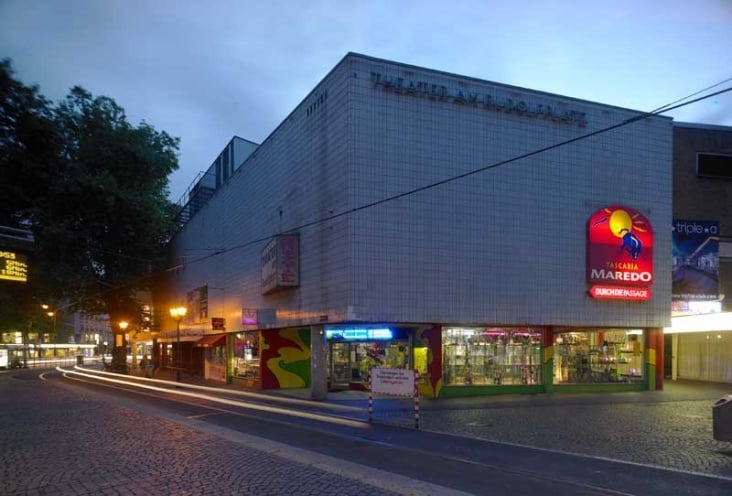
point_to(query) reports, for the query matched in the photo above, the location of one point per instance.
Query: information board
(392, 382)
(13, 266)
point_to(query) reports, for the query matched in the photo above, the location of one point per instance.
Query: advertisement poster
(619, 254)
(197, 302)
(281, 264)
(695, 260)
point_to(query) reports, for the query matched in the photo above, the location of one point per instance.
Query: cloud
(205, 71)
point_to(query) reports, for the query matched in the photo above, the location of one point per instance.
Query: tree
(28, 152)
(28, 146)
(103, 219)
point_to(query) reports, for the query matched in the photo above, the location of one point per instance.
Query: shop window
(216, 355)
(246, 354)
(598, 356)
(352, 362)
(491, 356)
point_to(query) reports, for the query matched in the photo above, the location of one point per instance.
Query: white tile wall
(504, 246)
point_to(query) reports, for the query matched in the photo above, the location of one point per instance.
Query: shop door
(668, 356)
(340, 364)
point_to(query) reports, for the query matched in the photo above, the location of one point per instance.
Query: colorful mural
(285, 358)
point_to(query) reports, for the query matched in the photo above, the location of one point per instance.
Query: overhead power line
(660, 110)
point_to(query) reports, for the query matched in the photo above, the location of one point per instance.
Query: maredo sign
(619, 254)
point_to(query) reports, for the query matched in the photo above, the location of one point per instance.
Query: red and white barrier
(394, 382)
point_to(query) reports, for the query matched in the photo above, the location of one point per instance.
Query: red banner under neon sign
(620, 293)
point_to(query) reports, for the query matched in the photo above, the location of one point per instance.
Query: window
(246, 354)
(715, 165)
(491, 356)
(601, 356)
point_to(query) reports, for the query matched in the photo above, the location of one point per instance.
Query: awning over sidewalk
(211, 341)
(710, 322)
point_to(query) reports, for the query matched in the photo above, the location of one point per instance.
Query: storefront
(492, 356)
(354, 351)
(211, 351)
(176, 351)
(598, 356)
(496, 239)
(508, 360)
(700, 347)
(246, 358)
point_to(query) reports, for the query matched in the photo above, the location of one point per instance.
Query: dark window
(219, 173)
(714, 165)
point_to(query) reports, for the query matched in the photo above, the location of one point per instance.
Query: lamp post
(177, 314)
(122, 354)
(52, 317)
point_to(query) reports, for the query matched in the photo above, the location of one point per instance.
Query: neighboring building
(407, 217)
(699, 342)
(91, 329)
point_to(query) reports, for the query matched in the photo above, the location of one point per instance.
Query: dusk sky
(208, 70)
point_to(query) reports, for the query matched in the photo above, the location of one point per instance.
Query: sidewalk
(681, 390)
(671, 428)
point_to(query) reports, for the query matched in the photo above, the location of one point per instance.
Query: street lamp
(121, 346)
(177, 314)
(52, 317)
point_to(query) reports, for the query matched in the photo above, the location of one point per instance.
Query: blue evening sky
(207, 70)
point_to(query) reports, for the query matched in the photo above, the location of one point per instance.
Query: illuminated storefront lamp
(177, 314)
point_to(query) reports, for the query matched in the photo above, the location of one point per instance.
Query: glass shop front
(516, 356)
(246, 355)
(598, 356)
(353, 351)
(491, 356)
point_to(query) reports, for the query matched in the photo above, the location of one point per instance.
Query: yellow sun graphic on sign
(621, 222)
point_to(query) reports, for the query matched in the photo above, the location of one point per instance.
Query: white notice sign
(393, 382)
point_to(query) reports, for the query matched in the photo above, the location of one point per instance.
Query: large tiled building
(492, 237)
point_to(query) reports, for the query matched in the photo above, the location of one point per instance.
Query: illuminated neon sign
(620, 293)
(13, 266)
(619, 254)
(359, 334)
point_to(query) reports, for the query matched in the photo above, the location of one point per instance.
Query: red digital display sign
(619, 253)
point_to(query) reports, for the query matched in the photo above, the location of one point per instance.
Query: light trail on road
(225, 401)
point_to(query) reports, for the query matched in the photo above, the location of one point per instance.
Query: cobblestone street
(670, 428)
(71, 443)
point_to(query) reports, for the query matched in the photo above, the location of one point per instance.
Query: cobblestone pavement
(670, 428)
(72, 444)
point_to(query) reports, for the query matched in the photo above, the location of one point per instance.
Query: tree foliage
(28, 146)
(93, 189)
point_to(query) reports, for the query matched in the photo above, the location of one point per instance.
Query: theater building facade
(494, 238)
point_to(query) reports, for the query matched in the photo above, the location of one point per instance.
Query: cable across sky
(660, 110)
